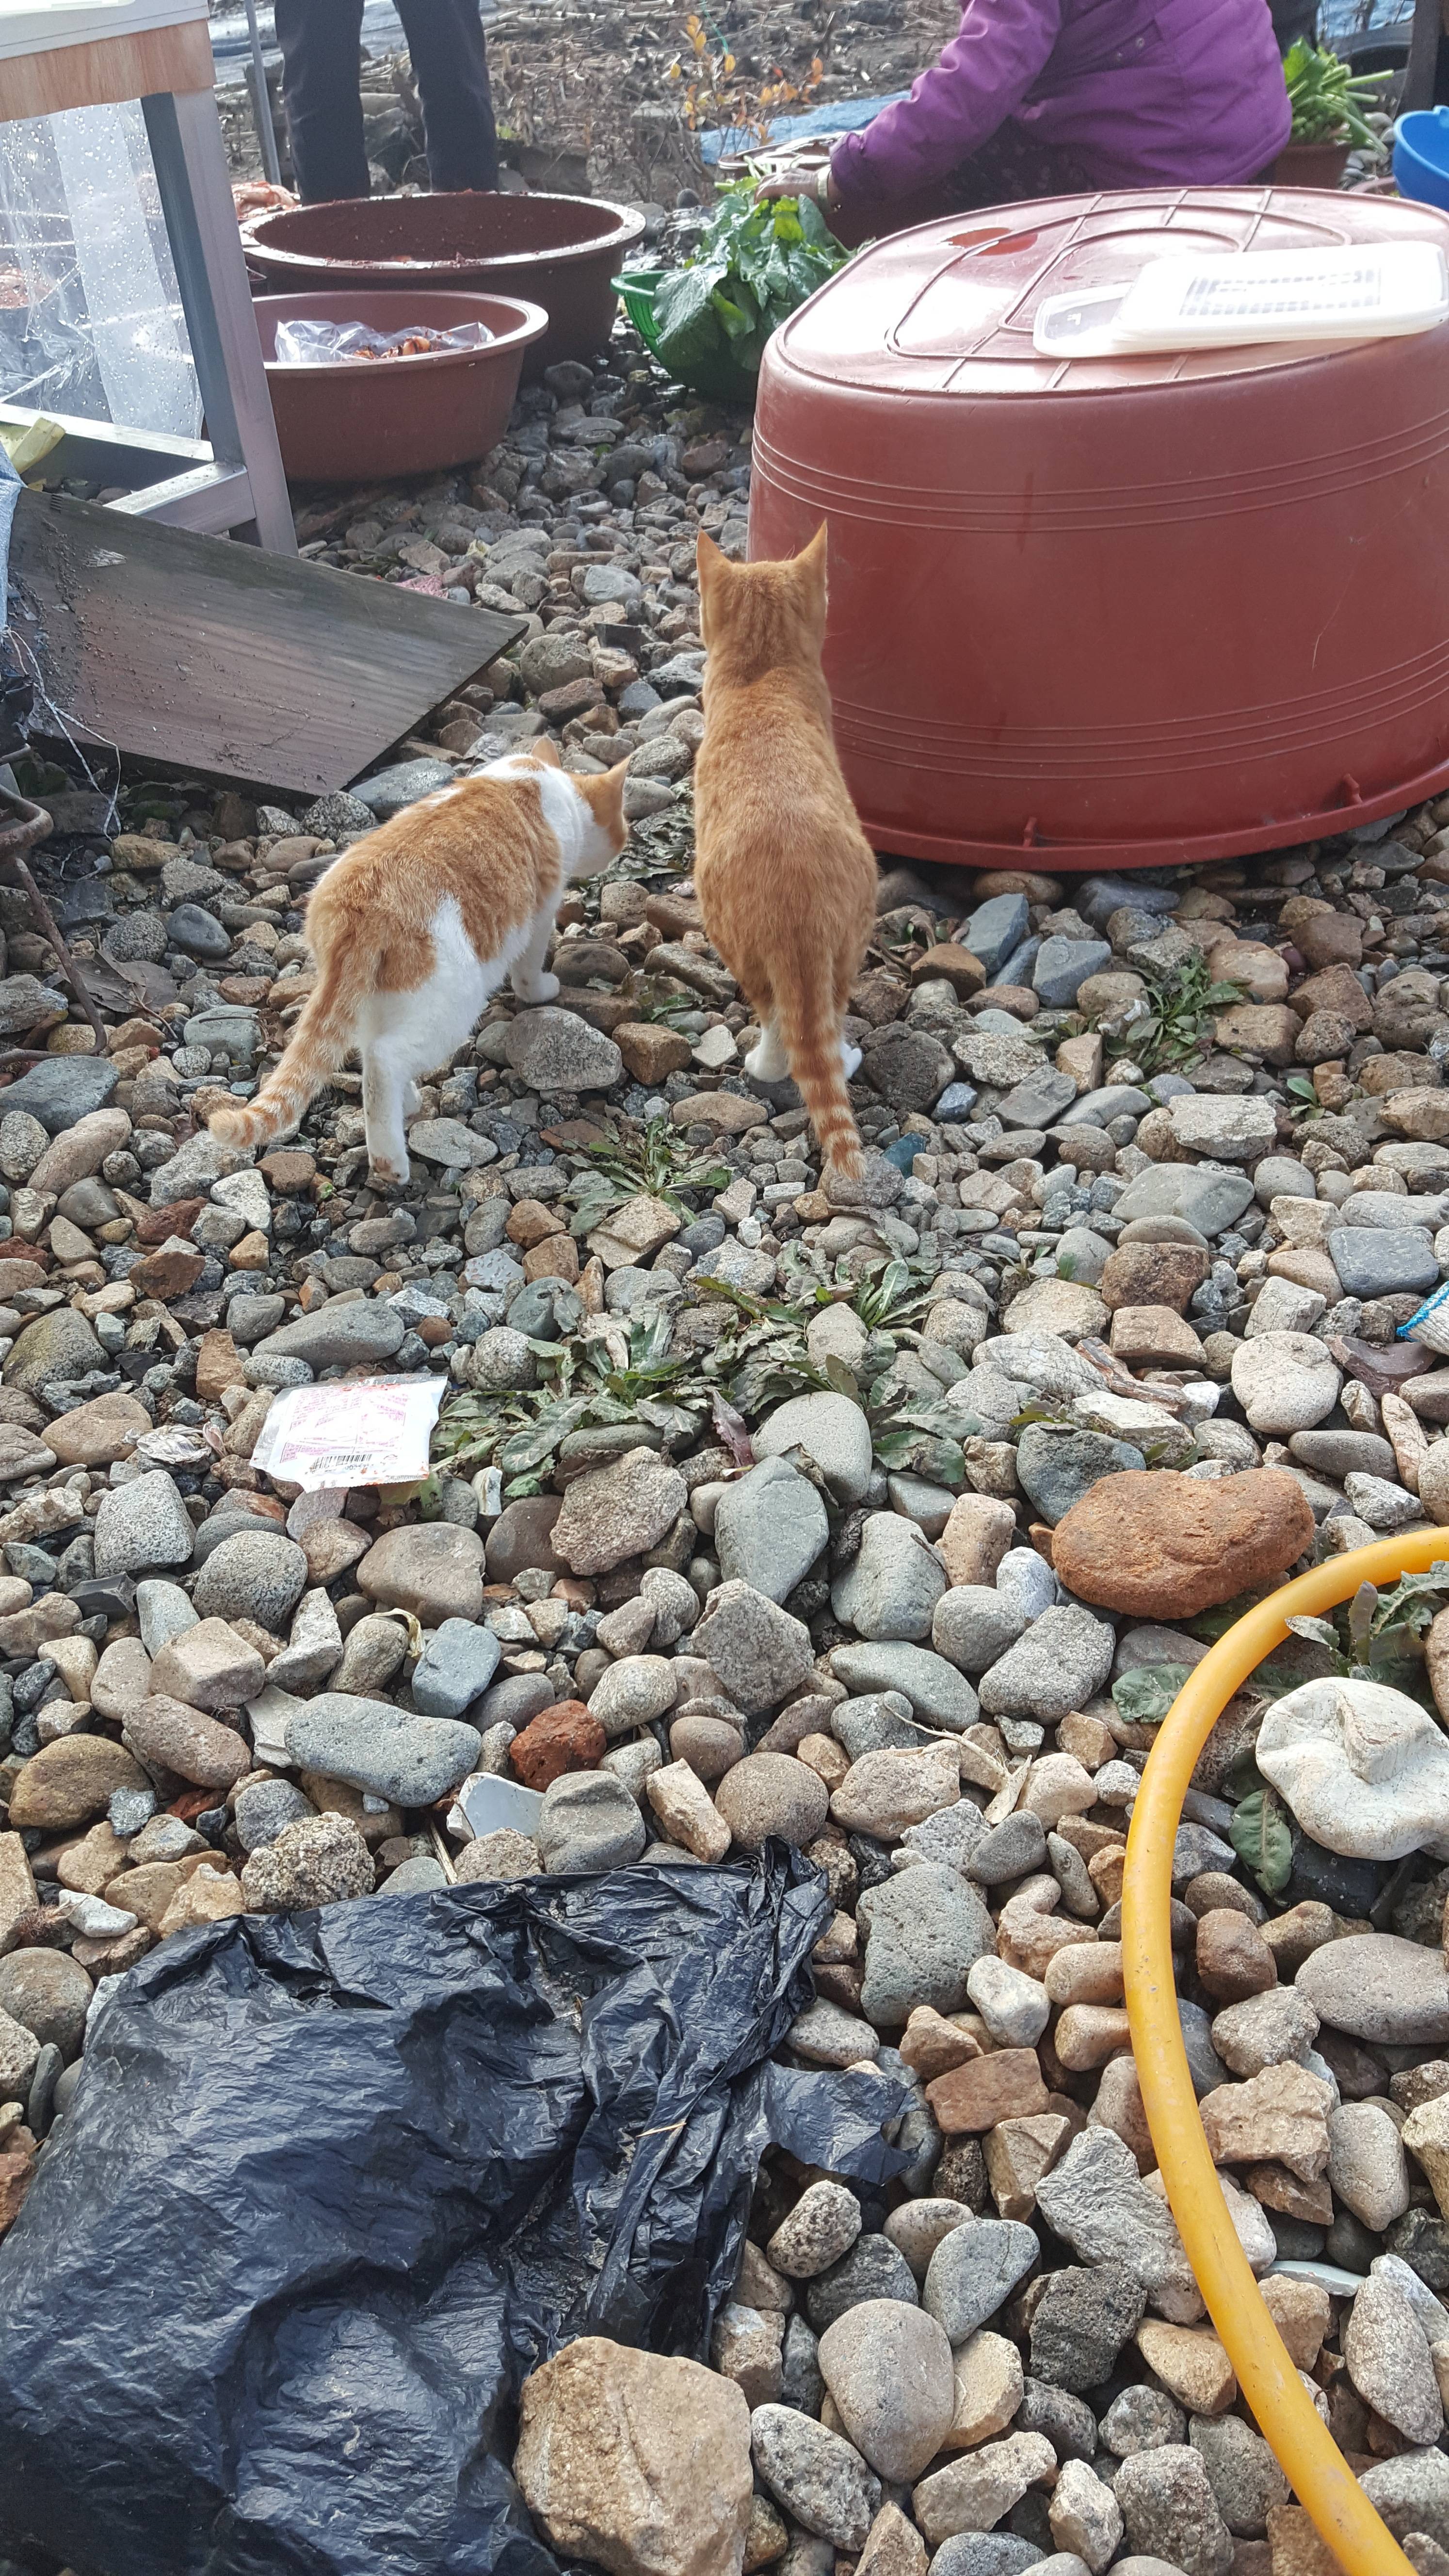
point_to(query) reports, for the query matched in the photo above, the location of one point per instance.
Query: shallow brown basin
(348, 424)
(560, 252)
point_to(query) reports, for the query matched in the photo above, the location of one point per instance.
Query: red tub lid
(949, 308)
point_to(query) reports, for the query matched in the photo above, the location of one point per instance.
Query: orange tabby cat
(784, 874)
(419, 922)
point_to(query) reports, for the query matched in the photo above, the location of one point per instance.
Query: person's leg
(450, 66)
(321, 45)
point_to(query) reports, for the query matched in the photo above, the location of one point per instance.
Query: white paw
(765, 1064)
(849, 1060)
(540, 988)
(389, 1176)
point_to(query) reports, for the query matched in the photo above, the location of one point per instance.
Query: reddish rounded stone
(563, 1738)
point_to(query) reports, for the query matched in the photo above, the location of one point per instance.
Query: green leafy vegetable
(1146, 1695)
(1328, 99)
(753, 267)
(1261, 1838)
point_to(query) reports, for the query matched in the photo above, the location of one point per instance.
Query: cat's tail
(314, 1051)
(813, 1045)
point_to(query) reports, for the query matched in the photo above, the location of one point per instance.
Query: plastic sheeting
(334, 2183)
(90, 312)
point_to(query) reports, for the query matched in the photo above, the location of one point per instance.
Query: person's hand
(804, 183)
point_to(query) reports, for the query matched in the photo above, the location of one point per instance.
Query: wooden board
(107, 69)
(203, 651)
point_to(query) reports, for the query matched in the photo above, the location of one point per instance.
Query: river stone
(456, 1666)
(874, 2268)
(1376, 1987)
(925, 1929)
(769, 1528)
(1387, 2353)
(588, 1820)
(49, 1994)
(635, 2461)
(1170, 2511)
(1412, 2494)
(71, 1780)
(831, 1430)
(1061, 1662)
(1165, 1546)
(618, 1512)
(820, 2480)
(888, 2367)
(772, 1793)
(822, 2226)
(1057, 1468)
(974, 2270)
(1227, 1130)
(1364, 1768)
(62, 1089)
(338, 1335)
(758, 1652)
(168, 1734)
(55, 1350)
(410, 1761)
(141, 1524)
(318, 1860)
(939, 1695)
(1285, 1382)
(257, 1575)
(894, 1584)
(973, 1625)
(435, 1570)
(1210, 1200)
(554, 1050)
(1097, 2202)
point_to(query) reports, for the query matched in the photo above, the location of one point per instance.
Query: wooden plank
(107, 69)
(213, 654)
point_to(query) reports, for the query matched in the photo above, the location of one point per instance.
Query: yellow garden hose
(1285, 2414)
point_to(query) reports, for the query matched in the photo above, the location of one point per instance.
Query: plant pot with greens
(1329, 120)
(754, 265)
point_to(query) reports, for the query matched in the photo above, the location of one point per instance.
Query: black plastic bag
(334, 2183)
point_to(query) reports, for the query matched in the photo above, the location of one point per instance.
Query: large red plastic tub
(1114, 611)
(355, 422)
(560, 252)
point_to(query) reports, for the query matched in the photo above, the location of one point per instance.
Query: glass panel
(90, 317)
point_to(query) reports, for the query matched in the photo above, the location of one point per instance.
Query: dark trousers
(321, 41)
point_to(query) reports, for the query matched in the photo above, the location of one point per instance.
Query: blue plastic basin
(1421, 155)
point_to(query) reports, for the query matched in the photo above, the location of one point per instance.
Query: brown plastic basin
(349, 423)
(560, 252)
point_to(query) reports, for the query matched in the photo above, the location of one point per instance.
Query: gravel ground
(886, 1528)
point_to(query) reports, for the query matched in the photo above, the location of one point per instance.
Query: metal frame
(185, 137)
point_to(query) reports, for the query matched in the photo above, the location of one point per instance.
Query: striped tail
(314, 1051)
(812, 1043)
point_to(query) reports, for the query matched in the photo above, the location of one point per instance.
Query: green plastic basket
(719, 379)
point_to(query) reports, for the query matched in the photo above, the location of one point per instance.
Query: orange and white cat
(417, 925)
(785, 876)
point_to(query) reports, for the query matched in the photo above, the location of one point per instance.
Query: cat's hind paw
(536, 989)
(389, 1176)
(765, 1063)
(849, 1060)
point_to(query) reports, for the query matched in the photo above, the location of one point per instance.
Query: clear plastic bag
(90, 314)
(337, 344)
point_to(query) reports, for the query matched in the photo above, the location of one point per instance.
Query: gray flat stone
(370, 1744)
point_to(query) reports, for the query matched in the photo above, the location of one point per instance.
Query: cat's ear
(810, 567)
(544, 749)
(604, 796)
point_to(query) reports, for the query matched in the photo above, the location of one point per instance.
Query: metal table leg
(195, 193)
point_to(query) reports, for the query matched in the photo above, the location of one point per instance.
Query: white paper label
(369, 1431)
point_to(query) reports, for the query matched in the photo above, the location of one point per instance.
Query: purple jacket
(1140, 92)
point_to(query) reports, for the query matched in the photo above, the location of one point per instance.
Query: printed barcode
(1348, 291)
(342, 1458)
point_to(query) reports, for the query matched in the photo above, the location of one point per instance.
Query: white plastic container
(1363, 293)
